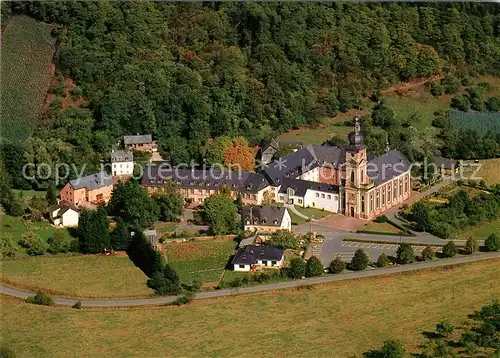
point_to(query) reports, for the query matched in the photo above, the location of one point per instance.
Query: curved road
(64, 301)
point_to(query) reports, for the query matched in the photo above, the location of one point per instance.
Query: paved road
(261, 288)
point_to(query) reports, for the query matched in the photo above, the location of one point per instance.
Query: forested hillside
(187, 72)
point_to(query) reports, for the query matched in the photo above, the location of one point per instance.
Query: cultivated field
(200, 260)
(77, 276)
(27, 50)
(339, 319)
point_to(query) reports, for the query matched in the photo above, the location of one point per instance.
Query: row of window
(389, 192)
(273, 263)
(209, 192)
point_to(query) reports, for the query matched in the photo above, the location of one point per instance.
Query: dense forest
(189, 72)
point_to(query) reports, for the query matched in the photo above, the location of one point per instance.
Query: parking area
(335, 246)
(391, 247)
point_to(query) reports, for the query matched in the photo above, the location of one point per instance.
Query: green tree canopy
(93, 231)
(314, 267)
(220, 214)
(132, 203)
(360, 260)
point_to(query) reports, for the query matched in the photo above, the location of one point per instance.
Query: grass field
(27, 50)
(16, 226)
(200, 260)
(380, 227)
(482, 231)
(490, 171)
(77, 276)
(339, 319)
(312, 212)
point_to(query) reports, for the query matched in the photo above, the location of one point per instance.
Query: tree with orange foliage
(240, 155)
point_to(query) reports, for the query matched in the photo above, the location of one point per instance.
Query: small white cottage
(64, 214)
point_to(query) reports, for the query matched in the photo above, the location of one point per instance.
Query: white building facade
(122, 162)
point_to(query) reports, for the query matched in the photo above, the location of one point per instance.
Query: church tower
(356, 179)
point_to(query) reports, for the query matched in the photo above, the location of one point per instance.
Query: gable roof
(387, 166)
(263, 215)
(326, 154)
(302, 186)
(290, 166)
(249, 255)
(63, 208)
(93, 181)
(199, 179)
(121, 156)
(137, 139)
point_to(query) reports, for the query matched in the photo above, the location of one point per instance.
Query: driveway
(262, 288)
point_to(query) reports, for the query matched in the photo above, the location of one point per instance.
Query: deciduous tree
(220, 213)
(314, 267)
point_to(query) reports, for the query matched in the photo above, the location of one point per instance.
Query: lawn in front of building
(200, 260)
(381, 227)
(77, 275)
(17, 226)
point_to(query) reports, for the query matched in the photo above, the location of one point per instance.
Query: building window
(371, 202)
(242, 266)
(192, 191)
(362, 175)
(314, 204)
(383, 196)
(377, 201)
(389, 193)
(273, 263)
(329, 196)
(300, 201)
(322, 196)
(406, 185)
(317, 195)
(282, 198)
(352, 177)
(400, 187)
(264, 263)
(395, 189)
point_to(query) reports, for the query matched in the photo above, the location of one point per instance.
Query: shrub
(59, 242)
(41, 298)
(236, 282)
(314, 267)
(33, 243)
(77, 305)
(436, 89)
(428, 254)
(165, 282)
(8, 246)
(472, 245)
(285, 239)
(382, 260)
(380, 219)
(360, 260)
(405, 254)
(297, 268)
(337, 265)
(450, 84)
(492, 242)
(391, 348)
(444, 328)
(182, 300)
(450, 249)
